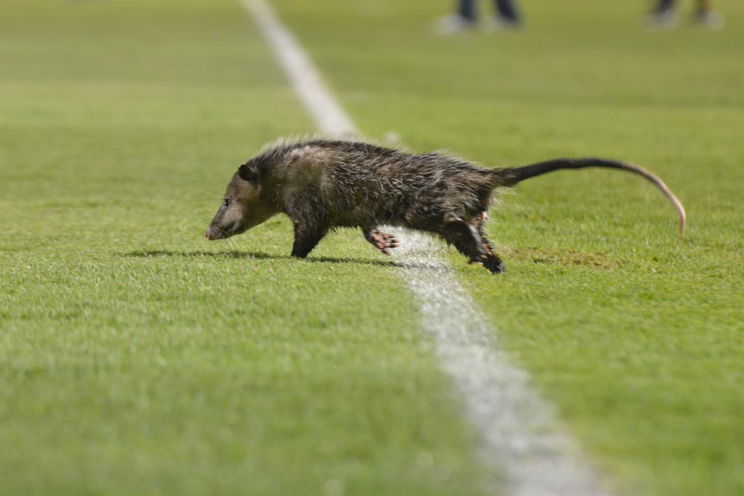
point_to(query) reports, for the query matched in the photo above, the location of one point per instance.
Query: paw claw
(382, 241)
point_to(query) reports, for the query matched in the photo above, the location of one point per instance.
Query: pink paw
(382, 241)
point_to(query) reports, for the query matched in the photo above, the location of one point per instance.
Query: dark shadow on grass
(257, 255)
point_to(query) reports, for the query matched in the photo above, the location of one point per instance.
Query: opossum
(325, 184)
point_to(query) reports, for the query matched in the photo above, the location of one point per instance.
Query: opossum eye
(226, 202)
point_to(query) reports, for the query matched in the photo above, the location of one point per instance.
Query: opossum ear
(248, 172)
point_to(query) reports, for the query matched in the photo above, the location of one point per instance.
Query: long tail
(512, 176)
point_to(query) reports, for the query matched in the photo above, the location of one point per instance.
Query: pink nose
(206, 234)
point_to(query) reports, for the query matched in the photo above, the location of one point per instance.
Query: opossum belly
(353, 218)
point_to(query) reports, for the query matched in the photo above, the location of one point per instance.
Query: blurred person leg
(467, 10)
(507, 11)
(664, 5)
(466, 17)
(707, 16)
(506, 16)
(662, 16)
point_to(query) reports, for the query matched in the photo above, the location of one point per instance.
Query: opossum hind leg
(493, 260)
(469, 241)
(380, 240)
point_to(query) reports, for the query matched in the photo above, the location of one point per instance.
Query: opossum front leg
(306, 238)
(380, 240)
(469, 241)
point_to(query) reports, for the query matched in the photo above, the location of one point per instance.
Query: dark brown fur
(323, 184)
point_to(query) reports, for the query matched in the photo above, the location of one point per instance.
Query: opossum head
(243, 206)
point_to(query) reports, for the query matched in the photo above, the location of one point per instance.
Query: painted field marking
(520, 434)
(328, 114)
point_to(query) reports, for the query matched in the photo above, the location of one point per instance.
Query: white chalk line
(519, 429)
(328, 114)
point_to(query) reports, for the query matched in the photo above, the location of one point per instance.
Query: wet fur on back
(324, 184)
(353, 184)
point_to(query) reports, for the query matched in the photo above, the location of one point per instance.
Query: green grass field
(137, 358)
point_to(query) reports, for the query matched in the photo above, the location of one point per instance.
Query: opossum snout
(214, 232)
(218, 231)
(210, 233)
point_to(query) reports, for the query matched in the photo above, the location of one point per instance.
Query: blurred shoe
(500, 23)
(709, 19)
(663, 19)
(452, 24)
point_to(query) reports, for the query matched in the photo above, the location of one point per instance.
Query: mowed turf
(138, 358)
(635, 334)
